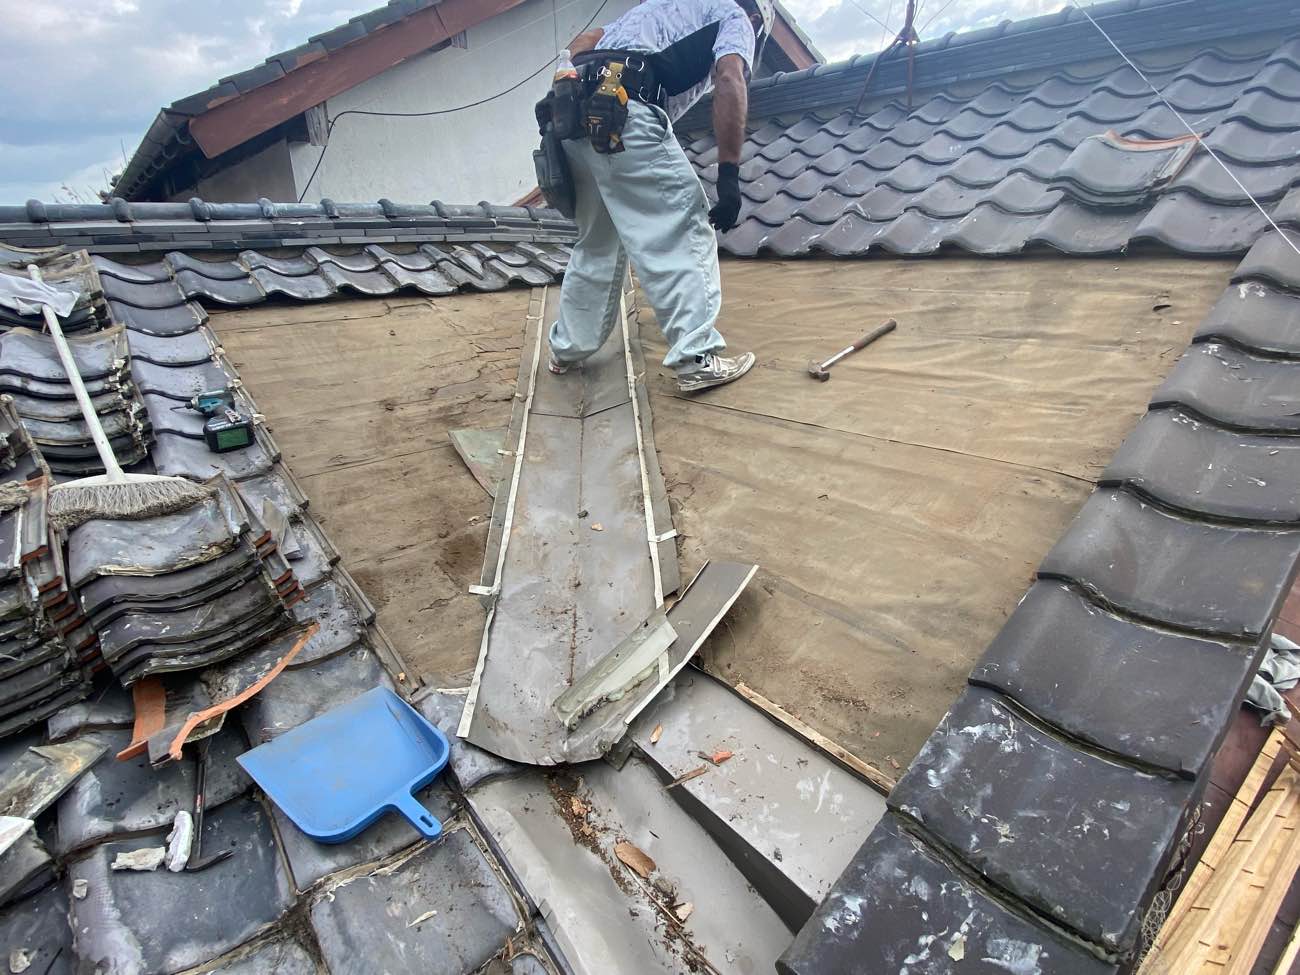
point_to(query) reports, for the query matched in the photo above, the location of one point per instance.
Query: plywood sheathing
(897, 511)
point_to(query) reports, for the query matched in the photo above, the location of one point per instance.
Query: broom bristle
(13, 494)
(74, 504)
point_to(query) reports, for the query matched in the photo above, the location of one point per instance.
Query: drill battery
(228, 430)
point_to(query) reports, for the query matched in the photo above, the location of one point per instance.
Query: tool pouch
(606, 110)
(566, 108)
(554, 177)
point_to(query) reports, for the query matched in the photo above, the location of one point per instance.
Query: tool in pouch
(225, 427)
(558, 118)
(606, 110)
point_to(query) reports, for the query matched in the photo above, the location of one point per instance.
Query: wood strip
(233, 121)
(1187, 947)
(815, 738)
(1224, 835)
(1228, 931)
(1274, 890)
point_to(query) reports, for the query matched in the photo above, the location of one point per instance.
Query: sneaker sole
(698, 385)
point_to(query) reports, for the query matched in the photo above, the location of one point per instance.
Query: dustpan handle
(424, 821)
(102, 446)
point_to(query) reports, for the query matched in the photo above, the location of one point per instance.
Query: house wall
(268, 173)
(481, 153)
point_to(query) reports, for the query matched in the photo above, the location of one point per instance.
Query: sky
(89, 76)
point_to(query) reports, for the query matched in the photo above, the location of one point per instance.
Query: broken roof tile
(1105, 170)
(117, 798)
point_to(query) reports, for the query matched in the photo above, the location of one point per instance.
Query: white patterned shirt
(688, 37)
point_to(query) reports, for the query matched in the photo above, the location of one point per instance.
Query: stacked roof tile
(1084, 159)
(182, 591)
(44, 637)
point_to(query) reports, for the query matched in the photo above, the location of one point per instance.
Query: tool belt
(592, 106)
(611, 79)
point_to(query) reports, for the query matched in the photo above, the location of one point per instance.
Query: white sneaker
(714, 370)
(556, 366)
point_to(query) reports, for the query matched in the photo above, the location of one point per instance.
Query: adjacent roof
(1029, 134)
(246, 104)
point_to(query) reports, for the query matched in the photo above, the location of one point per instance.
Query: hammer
(822, 371)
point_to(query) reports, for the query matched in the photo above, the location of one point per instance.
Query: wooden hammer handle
(884, 328)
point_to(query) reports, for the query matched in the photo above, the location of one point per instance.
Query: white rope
(1192, 132)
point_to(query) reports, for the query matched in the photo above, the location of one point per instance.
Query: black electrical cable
(330, 123)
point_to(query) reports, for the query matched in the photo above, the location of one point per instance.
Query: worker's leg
(594, 277)
(661, 212)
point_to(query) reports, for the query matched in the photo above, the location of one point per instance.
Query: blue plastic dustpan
(339, 772)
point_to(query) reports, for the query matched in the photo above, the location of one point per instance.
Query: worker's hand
(727, 209)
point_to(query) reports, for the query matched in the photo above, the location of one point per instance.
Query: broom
(113, 494)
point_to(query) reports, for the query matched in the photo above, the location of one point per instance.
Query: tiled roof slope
(1044, 157)
(244, 253)
(1045, 809)
(122, 227)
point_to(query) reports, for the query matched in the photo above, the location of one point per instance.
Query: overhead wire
(1191, 131)
(887, 28)
(330, 123)
(937, 14)
(884, 36)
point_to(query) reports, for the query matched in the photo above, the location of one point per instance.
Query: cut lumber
(1272, 888)
(815, 738)
(1224, 836)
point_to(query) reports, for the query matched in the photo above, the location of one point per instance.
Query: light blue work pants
(645, 202)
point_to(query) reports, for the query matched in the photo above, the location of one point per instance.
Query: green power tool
(225, 428)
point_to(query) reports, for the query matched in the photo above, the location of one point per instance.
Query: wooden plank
(815, 738)
(1228, 932)
(1247, 946)
(236, 120)
(1224, 835)
(1186, 945)
(791, 45)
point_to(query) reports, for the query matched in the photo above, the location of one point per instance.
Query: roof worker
(636, 192)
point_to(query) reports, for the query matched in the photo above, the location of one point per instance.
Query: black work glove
(727, 209)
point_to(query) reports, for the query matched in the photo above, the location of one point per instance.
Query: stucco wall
(268, 173)
(482, 153)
